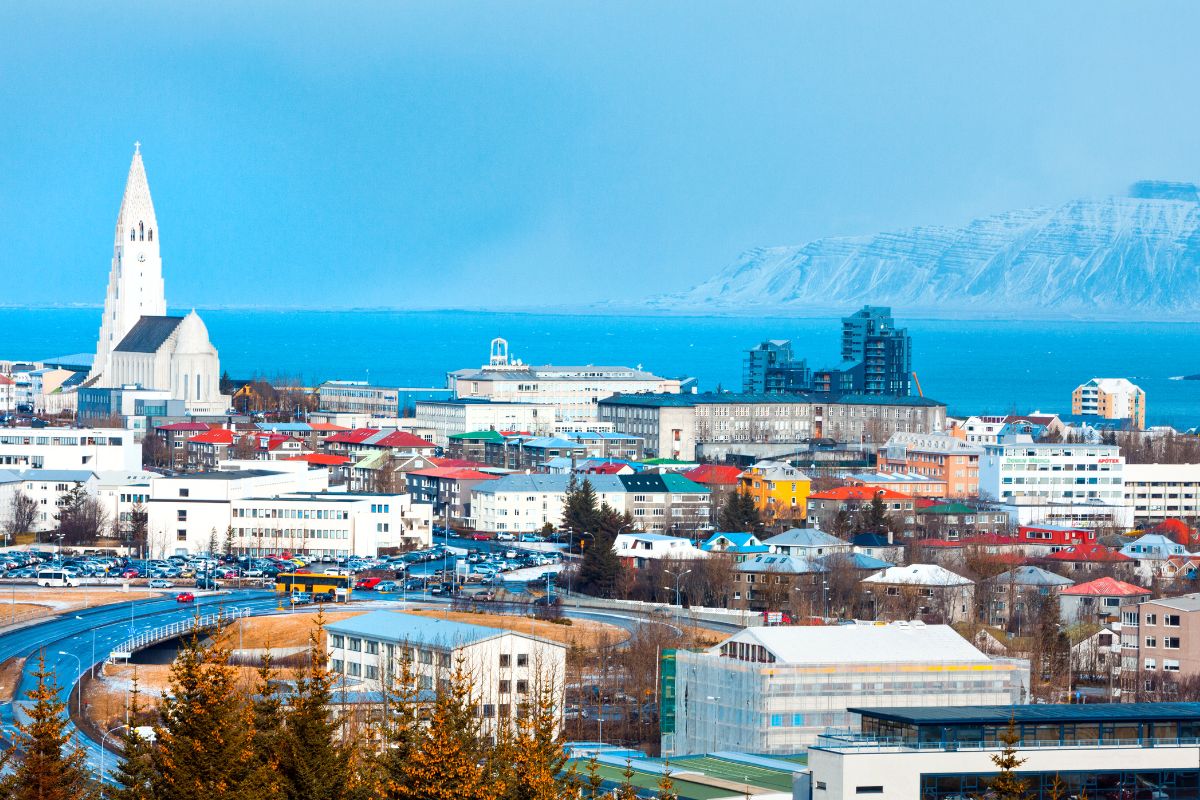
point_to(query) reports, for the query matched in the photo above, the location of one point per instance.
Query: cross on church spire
(137, 148)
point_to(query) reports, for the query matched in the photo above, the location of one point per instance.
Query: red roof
(455, 462)
(6, 381)
(857, 493)
(1089, 551)
(714, 474)
(320, 459)
(606, 469)
(1177, 530)
(402, 439)
(356, 436)
(455, 473)
(213, 436)
(327, 426)
(272, 441)
(1106, 587)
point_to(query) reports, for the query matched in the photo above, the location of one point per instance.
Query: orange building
(935, 455)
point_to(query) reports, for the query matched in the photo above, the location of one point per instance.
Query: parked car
(367, 584)
(185, 597)
(506, 537)
(480, 536)
(532, 538)
(387, 586)
(324, 597)
(160, 583)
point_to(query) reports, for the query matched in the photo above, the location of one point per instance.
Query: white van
(55, 577)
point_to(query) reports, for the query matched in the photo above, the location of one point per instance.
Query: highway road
(72, 643)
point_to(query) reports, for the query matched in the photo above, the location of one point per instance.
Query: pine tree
(205, 737)
(447, 760)
(134, 773)
(593, 783)
(267, 711)
(666, 786)
(739, 514)
(387, 772)
(50, 768)
(1006, 785)
(626, 790)
(538, 756)
(580, 512)
(313, 764)
(600, 569)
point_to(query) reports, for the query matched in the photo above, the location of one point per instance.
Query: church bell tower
(135, 282)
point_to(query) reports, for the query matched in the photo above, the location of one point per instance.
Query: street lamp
(570, 543)
(103, 739)
(677, 576)
(92, 668)
(79, 689)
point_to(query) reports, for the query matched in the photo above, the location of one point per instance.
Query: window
(1152, 619)
(1171, 620)
(505, 660)
(356, 645)
(1170, 665)
(868, 790)
(1171, 642)
(337, 640)
(505, 687)
(355, 669)
(777, 720)
(522, 659)
(184, 492)
(181, 515)
(1150, 664)
(522, 687)
(372, 649)
(372, 672)
(181, 535)
(338, 665)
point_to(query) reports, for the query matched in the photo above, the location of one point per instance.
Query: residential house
(1099, 600)
(772, 582)
(810, 543)
(1090, 560)
(472, 445)
(737, 546)
(835, 509)
(1160, 639)
(937, 455)
(882, 546)
(1151, 553)
(909, 483)
(780, 491)
(919, 591)
(1015, 597)
(959, 521)
(721, 480)
(635, 549)
(447, 489)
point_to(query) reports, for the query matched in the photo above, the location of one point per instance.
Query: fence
(173, 630)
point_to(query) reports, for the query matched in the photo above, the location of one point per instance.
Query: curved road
(73, 642)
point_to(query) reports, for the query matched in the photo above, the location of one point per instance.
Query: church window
(150, 235)
(197, 385)
(132, 235)
(142, 228)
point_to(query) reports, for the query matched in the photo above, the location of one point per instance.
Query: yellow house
(780, 491)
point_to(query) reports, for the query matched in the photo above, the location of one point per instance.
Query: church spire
(135, 284)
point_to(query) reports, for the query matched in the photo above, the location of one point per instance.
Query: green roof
(948, 508)
(486, 436)
(685, 789)
(679, 484)
(665, 461)
(736, 771)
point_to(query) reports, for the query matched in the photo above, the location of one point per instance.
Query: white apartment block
(272, 511)
(1157, 491)
(508, 669)
(1055, 483)
(94, 449)
(8, 394)
(573, 391)
(526, 503)
(47, 487)
(448, 417)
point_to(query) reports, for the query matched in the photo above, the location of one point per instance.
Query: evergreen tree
(580, 512)
(447, 761)
(593, 782)
(874, 518)
(50, 767)
(1006, 785)
(267, 713)
(313, 764)
(739, 514)
(666, 786)
(205, 736)
(134, 773)
(538, 757)
(600, 569)
(387, 772)
(626, 790)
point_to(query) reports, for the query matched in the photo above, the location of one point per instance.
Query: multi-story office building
(95, 449)
(771, 368)
(714, 425)
(876, 353)
(773, 690)
(361, 397)
(1096, 750)
(1110, 398)
(1160, 639)
(1157, 491)
(509, 669)
(449, 417)
(1056, 483)
(937, 455)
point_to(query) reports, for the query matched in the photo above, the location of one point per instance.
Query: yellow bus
(314, 583)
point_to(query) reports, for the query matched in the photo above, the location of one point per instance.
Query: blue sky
(472, 155)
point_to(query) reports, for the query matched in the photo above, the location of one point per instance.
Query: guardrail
(165, 632)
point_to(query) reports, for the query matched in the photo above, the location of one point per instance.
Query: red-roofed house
(1099, 600)
(1091, 558)
(721, 480)
(206, 450)
(175, 435)
(448, 489)
(834, 509)
(1055, 537)
(365, 441)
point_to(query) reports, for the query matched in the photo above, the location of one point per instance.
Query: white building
(1156, 491)
(638, 548)
(525, 503)
(773, 690)
(1056, 483)
(95, 449)
(271, 510)
(8, 394)
(46, 487)
(509, 669)
(138, 343)
(448, 417)
(1094, 750)
(573, 391)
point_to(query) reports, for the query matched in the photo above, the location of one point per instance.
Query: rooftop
(148, 334)
(399, 627)
(1106, 587)
(1049, 713)
(867, 643)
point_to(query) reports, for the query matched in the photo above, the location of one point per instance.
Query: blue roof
(400, 627)
(782, 564)
(737, 543)
(870, 540)
(855, 561)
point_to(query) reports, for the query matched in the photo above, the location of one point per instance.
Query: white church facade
(139, 343)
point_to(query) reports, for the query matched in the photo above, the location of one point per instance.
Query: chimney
(890, 535)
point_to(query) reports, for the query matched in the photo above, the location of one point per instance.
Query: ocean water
(972, 366)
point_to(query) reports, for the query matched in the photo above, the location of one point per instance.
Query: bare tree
(155, 452)
(81, 517)
(22, 514)
(245, 447)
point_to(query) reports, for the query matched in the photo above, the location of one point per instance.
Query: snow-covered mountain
(1115, 257)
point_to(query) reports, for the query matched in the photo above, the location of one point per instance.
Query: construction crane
(917, 381)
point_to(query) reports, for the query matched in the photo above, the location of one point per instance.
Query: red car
(130, 573)
(480, 537)
(367, 583)
(185, 597)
